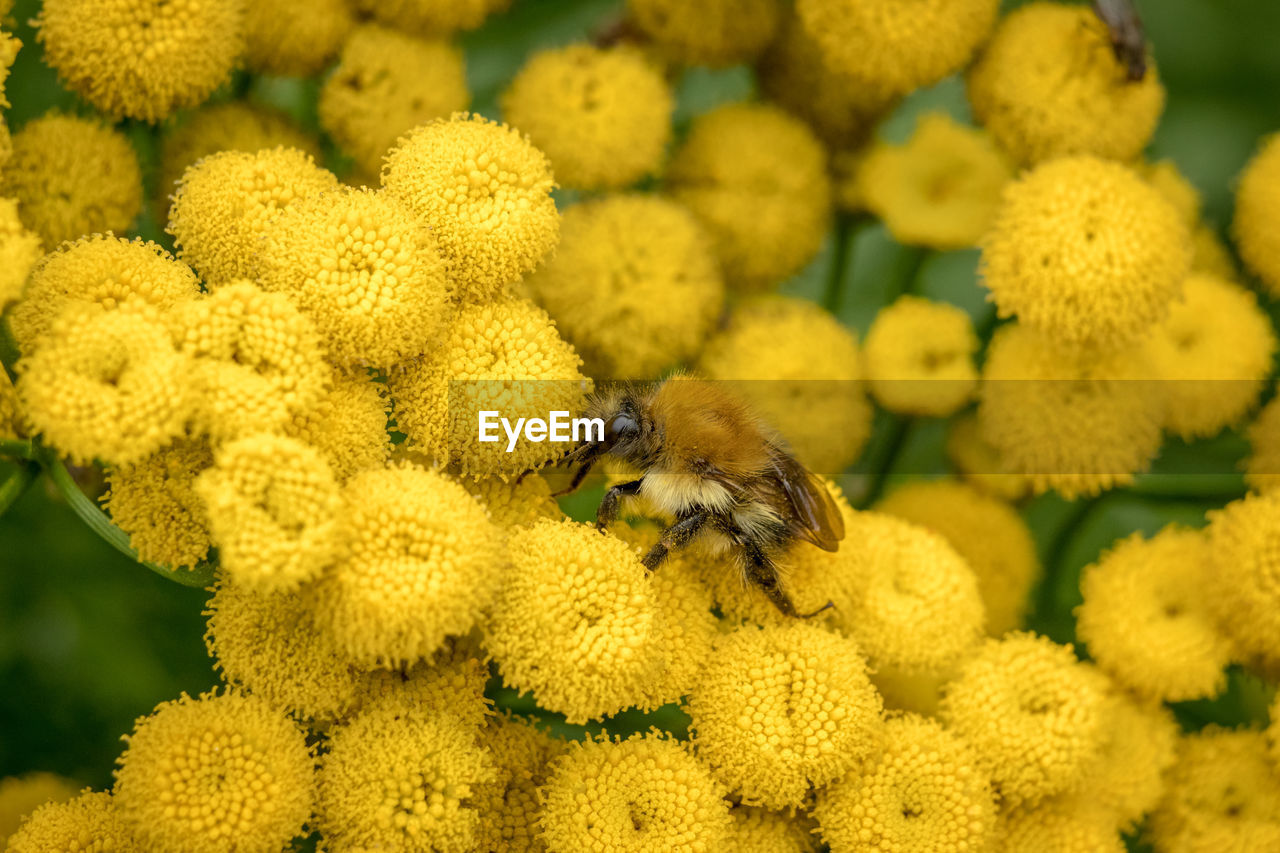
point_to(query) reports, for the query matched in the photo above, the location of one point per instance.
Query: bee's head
(624, 430)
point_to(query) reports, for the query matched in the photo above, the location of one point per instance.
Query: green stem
(16, 485)
(1055, 554)
(842, 233)
(21, 448)
(884, 465)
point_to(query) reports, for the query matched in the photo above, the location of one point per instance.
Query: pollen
(154, 500)
(1245, 593)
(919, 357)
(711, 32)
(295, 38)
(1257, 206)
(90, 823)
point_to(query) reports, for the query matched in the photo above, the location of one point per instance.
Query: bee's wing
(817, 518)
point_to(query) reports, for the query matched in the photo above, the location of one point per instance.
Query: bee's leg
(762, 572)
(578, 477)
(675, 536)
(612, 502)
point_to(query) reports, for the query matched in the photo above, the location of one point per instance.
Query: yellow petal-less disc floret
(154, 500)
(107, 384)
(896, 46)
(802, 371)
(515, 503)
(511, 804)
(72, 176)
(294, 37)
(420, 561)
(225, 203)
(1166, 177)
(757, 178)
(90, 823)
(366, 271)
(432, 17)
(1145, 621)
(1033, 714)
(711, 32)
(21, 795)
(348, 425)
(1245, 592)
(633, 796)
(923, 790)
(919, 357)
(979, 463)
(452, 680)
(988, 533)
(222, 772)
(941, 189)
(140, 59)
(634, 285)
(386, 83)
(486, 193)
(1072, 421)
(1257, 207)
(1049, 84)
(19, 251)
(1055, 827)
(1087, 252)
(784, 708)
(603, 117)
(757, 830)
(1262, 468)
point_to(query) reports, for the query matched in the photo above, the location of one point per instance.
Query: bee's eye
(621, 426)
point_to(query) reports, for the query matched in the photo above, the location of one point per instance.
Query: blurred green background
(89, 640)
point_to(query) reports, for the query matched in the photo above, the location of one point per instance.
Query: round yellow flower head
(226, 201)
(20, 795)
(511, 805)
(432, 17)
(1073, 421)
(1168, 179)
(402, 777)
(634, 285)
(501, 356)
(923, 790)
(1245, 593)
(100, 270)
(90, 823)
(1222, 794)
(1145, 621)
(486, 193)
(919, 357)
(420, 561)
(987, 532)
(1257, 206)
(294, 37)
(981, 466)
(386, 83)
(603, 117)
(348, 425)
(451, 681)
(140, 59)
(637, 795)
(222, 772)
(515, 503)
(814, 394)
(784, 708)
(1262, 468)
(1049, 84)
(710, 32)
(1053, 827)
(72, 176)
(1034, 715)
(1087, 252)
(154, 500)
(19, 251)
(1210, 254)
(897, 47)
(273, 507)
(758, 830)
(1214, 352)
(366, 271)
(107, 384)
(941, 189)
(576, 621)
(757, 178)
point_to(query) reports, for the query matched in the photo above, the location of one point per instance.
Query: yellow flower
(20, 795)
(511, 805)
(981, 466)
(1034, 715)
(634, 285)
(226, 201)
(486, 193)
(365, 270)
(710, 32)
(761, 831)
(1053, 827)
(923, 790)
(1257, 207)
(91, 823)
(919, 357)
(1273, 734)
(1262, 468)
(107, 384)
(432, 17)
(988, 533)
(515, 503)
(1049, 84)
(1075, 421)
(1210, 254)
(801, 370)
(294, 37)
(894, 46)
(784, 708)
(222, 772)
(1222, 795)
(154, 500)
(420, 561)
(72, 176)
(1245, 593)
(757, 178)
(11, 419)
(402, 777)
(273, 507)
(1145, 621)
(386, 83)
(1086, 252)
(348, 425)
(642, 794)
(19, 251)
(941, 189)
(451, 681)
(603, 117)
(140, 59)
(502, 356)
(9, 47)
(1168, 180)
